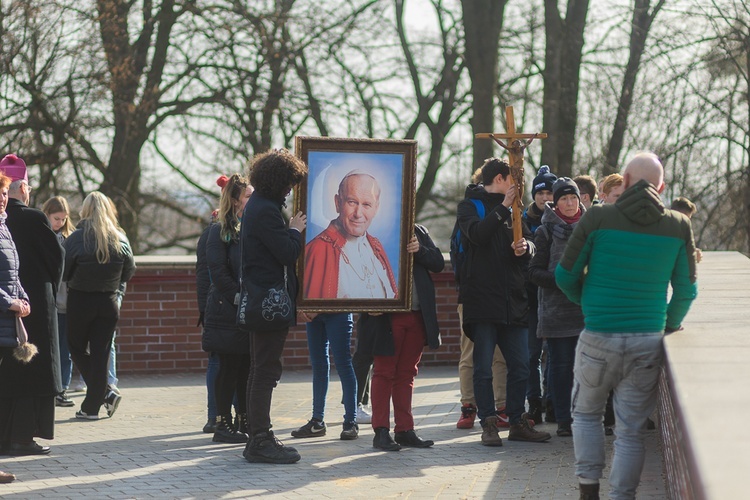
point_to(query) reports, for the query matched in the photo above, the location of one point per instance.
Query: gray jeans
(629, 364)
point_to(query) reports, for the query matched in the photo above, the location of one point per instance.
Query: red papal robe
(322, 258)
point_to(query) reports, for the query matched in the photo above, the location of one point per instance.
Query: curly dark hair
(274, 172)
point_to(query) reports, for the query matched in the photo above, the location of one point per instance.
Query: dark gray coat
(558, 316)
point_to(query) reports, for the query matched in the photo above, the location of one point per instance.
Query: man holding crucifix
(492, 290)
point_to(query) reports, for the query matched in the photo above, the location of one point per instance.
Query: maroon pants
(393, 376)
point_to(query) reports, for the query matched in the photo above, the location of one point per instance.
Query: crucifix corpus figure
(515, 145)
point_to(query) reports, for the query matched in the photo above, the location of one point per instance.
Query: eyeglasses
(28, 186)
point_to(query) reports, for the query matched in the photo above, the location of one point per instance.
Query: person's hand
(298, 222)
(20, 307)
(520, 247)
(307, 316)
(510, 196)
(413, 245)
(698, 255)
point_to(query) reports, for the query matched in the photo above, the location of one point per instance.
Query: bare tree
(564, 47)
(483, 22)
(640, 27)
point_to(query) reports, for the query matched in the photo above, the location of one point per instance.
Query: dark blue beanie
(543, 180)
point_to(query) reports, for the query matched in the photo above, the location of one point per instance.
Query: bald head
(644, 166)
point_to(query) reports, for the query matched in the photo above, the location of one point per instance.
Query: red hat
(14, 167)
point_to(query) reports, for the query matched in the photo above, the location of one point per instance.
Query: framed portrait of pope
(359, 201)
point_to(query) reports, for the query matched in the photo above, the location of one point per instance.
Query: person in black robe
(27, 391)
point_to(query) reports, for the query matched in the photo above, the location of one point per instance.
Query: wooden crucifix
(516, 144)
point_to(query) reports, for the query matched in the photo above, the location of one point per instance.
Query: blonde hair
(102, 225)
(610, 182)
(233, 191)
(58, 204)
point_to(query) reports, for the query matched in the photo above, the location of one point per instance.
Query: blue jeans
(562, 353)
(112, 363)
(211, 371)
(66, 363)
(629, 364)
(334, 331)
(513, 343)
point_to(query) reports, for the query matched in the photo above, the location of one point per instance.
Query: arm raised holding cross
(518, 143)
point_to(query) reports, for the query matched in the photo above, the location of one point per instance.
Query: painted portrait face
(357, 203)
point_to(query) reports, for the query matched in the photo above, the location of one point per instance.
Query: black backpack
(458, 249)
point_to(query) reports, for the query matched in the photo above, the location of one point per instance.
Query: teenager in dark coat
(396, 341)
(27, 392)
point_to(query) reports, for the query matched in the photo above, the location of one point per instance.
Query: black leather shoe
(31, 448)
(384, 441)
(410, 438)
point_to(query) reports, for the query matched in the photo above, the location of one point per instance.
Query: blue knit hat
(543, 180)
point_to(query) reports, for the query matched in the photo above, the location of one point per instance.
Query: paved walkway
(154, 448)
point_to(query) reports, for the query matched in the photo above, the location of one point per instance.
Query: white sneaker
(80, 386)
(363, 415)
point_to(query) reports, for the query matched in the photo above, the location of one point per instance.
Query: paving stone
(154, 448)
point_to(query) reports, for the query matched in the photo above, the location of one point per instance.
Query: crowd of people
(60, 292)
(556, 326)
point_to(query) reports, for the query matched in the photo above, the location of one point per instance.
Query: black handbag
(263, 309)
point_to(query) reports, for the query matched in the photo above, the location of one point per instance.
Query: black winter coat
(202, 279)
(374, 333)
(268, 245)
(492, 288)
(220, 332)
(40, 268)
(84, 273)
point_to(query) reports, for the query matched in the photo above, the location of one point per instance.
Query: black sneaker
(111, 402)
(63, 400)
(350, 432)
(264, 447)
(564, 429)
(313, 428)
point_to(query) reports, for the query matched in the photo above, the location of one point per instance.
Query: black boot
(384, 441)
(225, 431)
(589, 491)
(264, 447)
(410, 438)
(240, 423)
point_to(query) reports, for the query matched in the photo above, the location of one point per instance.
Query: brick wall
(158, 333)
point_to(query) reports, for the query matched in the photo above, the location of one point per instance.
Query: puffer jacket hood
(641, 204)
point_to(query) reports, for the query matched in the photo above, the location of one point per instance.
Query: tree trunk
(483, 21)
(641, 25)
(127, 63)
(563, 55)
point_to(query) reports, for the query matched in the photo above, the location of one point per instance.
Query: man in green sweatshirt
(618, 265)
